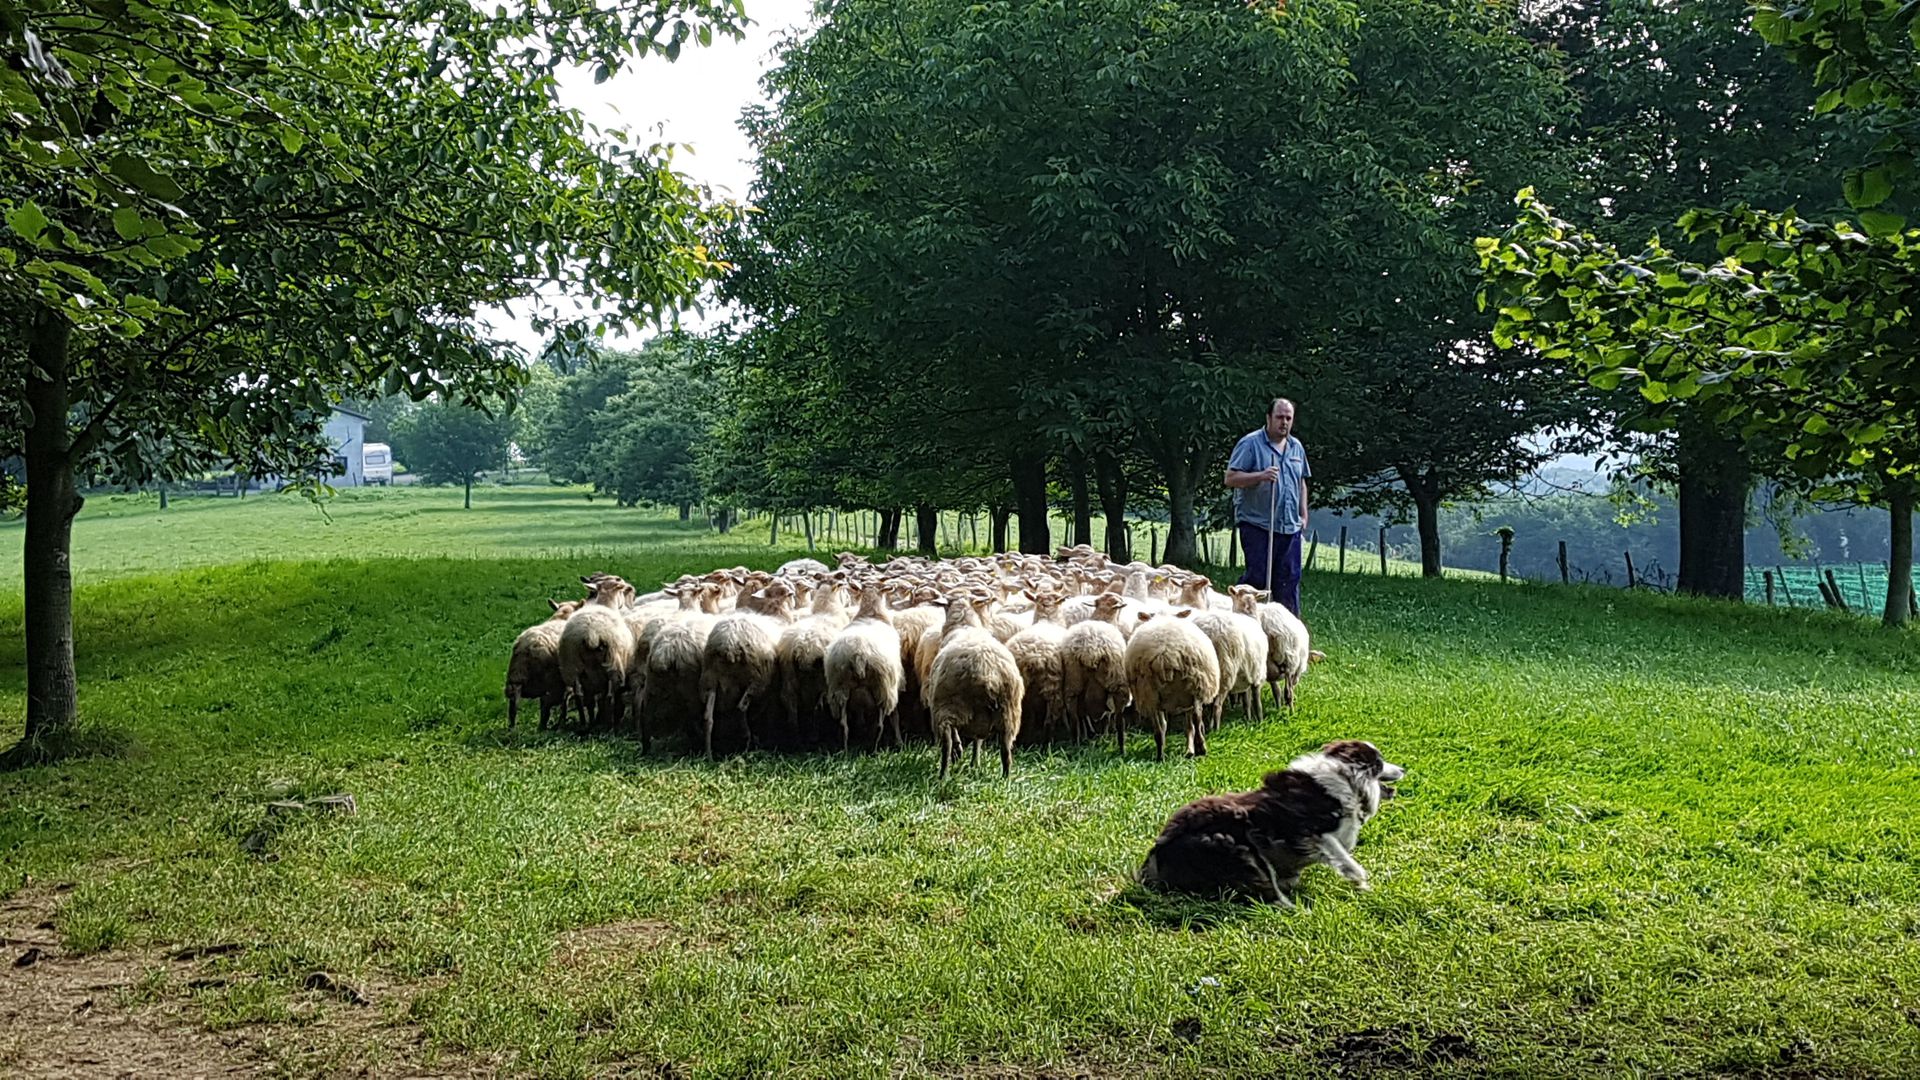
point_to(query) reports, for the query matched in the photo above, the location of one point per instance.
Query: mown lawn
(1639, 834)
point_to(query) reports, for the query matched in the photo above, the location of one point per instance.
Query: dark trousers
(1286, 563)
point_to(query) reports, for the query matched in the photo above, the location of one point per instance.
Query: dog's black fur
(1254, 844)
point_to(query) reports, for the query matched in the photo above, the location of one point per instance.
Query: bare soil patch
(129, 1013)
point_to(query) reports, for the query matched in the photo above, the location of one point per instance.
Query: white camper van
(376, 463)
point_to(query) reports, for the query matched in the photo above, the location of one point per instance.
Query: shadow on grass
(75, 743)
(1138, 904)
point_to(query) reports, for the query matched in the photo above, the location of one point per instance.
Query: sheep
(961, 612)
(675, 656)
(798, 567)
(737, 664)
(533, 670)
(800, 660)
(976, 695)
(1093, 667)
(1037, 650)
(863, 668)
(1172, 667)
(596, 650)
(1241, 645)
(1289, 648)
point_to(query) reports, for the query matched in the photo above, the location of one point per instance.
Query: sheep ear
(585, 580)
(1145, 615)
(1183, 613)
(552, 603)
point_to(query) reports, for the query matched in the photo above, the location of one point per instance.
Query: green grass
(1640, 834)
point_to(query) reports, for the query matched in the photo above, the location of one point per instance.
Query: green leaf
(1881, 223)
(1816, 425)
(292, 139)
(136, 173)
(1868, 187)
(127, 222)
(27, 220)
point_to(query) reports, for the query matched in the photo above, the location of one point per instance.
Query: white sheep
(533, 669)
(1037, 651)
(1241, 646)
(1172, 668)
(800, 660)
(1289, 648)
(863, 669)
(976, 695)
(675, 655)
(737, 666)
(1093, 667)
(596, 650)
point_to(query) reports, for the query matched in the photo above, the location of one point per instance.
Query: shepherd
(1268, 472)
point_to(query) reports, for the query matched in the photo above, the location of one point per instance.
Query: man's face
(1280, 422)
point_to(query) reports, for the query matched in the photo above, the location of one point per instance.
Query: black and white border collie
(1255, 843)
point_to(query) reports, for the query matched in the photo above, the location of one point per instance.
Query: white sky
(695, 101)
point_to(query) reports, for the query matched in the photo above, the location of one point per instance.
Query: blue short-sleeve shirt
(1254, 453)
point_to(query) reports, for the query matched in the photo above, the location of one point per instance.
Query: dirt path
(65, 1016)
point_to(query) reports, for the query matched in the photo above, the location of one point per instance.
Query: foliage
(243, 214)
(629, 422)
(1802, 330)
(448, 443)
(1862, 53)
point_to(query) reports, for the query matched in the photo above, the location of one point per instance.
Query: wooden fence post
(1153, 551)
(1839, 598)
(1767, 576)
(1506, 549)
(1343, 549)
(1313, 548)
(1630, 578)
(1565, 577)
(1233, 545)
(807, 520)
(1780, 573)
(1383, 551)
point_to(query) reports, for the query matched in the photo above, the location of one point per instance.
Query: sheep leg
(946, 751)
(1292, 681)
(712, 696)
(640, 718)
(546, 710)
(1119, 720)
(899, 742)
(976, 754)
(879, 729)
(846, 729)
(1006, 757)
(1197, 733)
(513, 708)
(746, 705)
(1159, 736)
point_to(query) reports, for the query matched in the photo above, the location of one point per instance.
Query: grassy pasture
(1640, 834)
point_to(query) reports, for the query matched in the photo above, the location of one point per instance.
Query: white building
(345, 435)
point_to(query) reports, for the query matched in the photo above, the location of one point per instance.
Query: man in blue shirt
(1268, 472)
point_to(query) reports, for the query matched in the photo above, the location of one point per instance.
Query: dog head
(1372, 774)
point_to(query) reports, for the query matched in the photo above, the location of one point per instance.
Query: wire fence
(1858, 586)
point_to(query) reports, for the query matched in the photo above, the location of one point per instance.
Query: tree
(221, 219)
(448, 443)
(1802, 330)
(1150, 223)
(1686, 105)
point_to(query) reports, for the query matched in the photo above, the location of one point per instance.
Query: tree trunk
(1082, 501)
(52, 502)
(1110, 478)
(1182, 548)
(1425, 492)
(1900, 558)
(686, 511)
(469, 502)
(999, 514)
(1714, 479)
(1030, 497)
(926, 522)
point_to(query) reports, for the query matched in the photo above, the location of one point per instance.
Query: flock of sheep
(969, 650)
